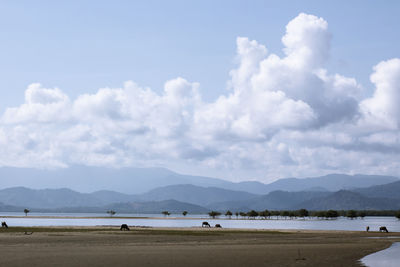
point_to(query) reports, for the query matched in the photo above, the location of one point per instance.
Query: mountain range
(200, 199)
(141, 180)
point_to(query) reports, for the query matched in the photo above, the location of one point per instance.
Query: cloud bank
(283, 116)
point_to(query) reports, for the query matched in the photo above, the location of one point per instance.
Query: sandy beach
(106, 246)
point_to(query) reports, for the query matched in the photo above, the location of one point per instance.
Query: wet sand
(107, 246)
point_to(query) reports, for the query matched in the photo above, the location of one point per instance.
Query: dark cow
(4, 224)
(205, 224)
(124, 227)
(218, 225)
(383, 229)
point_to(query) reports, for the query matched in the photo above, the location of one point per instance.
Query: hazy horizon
(86, 179)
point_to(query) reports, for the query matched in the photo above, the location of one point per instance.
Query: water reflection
(389, 257)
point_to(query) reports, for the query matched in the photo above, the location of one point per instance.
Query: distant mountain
(316, 189)
(370, 190)
(104, 197)
(66, 198)
(45, 198)
(253, 187)
(345, 200)
(312, 200)
(276, 200)
(4, 208)
(283, 200)
(58, 198)
(195, 194)
(331, 182)
(141, 180)
(90, 179)
(195, 199)
(154, 207)
(391, 190)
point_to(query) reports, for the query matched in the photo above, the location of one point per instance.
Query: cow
(205, 224)
(124, 227)
(4, 224)
(383, 229)
(218, 225)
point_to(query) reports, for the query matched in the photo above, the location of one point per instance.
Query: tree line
(302, 213)
(289, 214)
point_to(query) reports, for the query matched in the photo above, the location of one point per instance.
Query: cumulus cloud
(307, 41)
(283, 116)
(383, 107)
(41, 105)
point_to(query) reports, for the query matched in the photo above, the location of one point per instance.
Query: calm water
(374, 223)
(389, 257)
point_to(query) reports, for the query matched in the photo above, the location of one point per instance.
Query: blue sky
(235, 89)
(80, 46)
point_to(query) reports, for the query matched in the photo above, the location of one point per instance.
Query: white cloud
(41, 105)
(307, 41)
(383, 107)
(283, 116)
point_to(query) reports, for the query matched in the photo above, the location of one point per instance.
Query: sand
(107, 246)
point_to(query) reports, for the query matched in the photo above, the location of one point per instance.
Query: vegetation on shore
(303, 213)
(286, 214)
(26, 211)
(111, 212)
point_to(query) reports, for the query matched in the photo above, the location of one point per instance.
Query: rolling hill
(195, 194)
(276, 200)
(64, 198)
(346, 200)
(89, 179)
(331, 182)
(384, 196)
(58, 198)
(141, 180)
(391, 190)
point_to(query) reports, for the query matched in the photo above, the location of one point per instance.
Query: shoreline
(206, 217)
(155, 218)
(373, 235)
(364, 234)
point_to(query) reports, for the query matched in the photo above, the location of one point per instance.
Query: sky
(241, 90)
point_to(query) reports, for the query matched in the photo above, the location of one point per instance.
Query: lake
(156, 220)
(389, 257)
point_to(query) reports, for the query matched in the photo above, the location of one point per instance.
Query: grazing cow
(124, 227)
(4, 224)
(383, 229)
(205, 224)
(218, 225)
